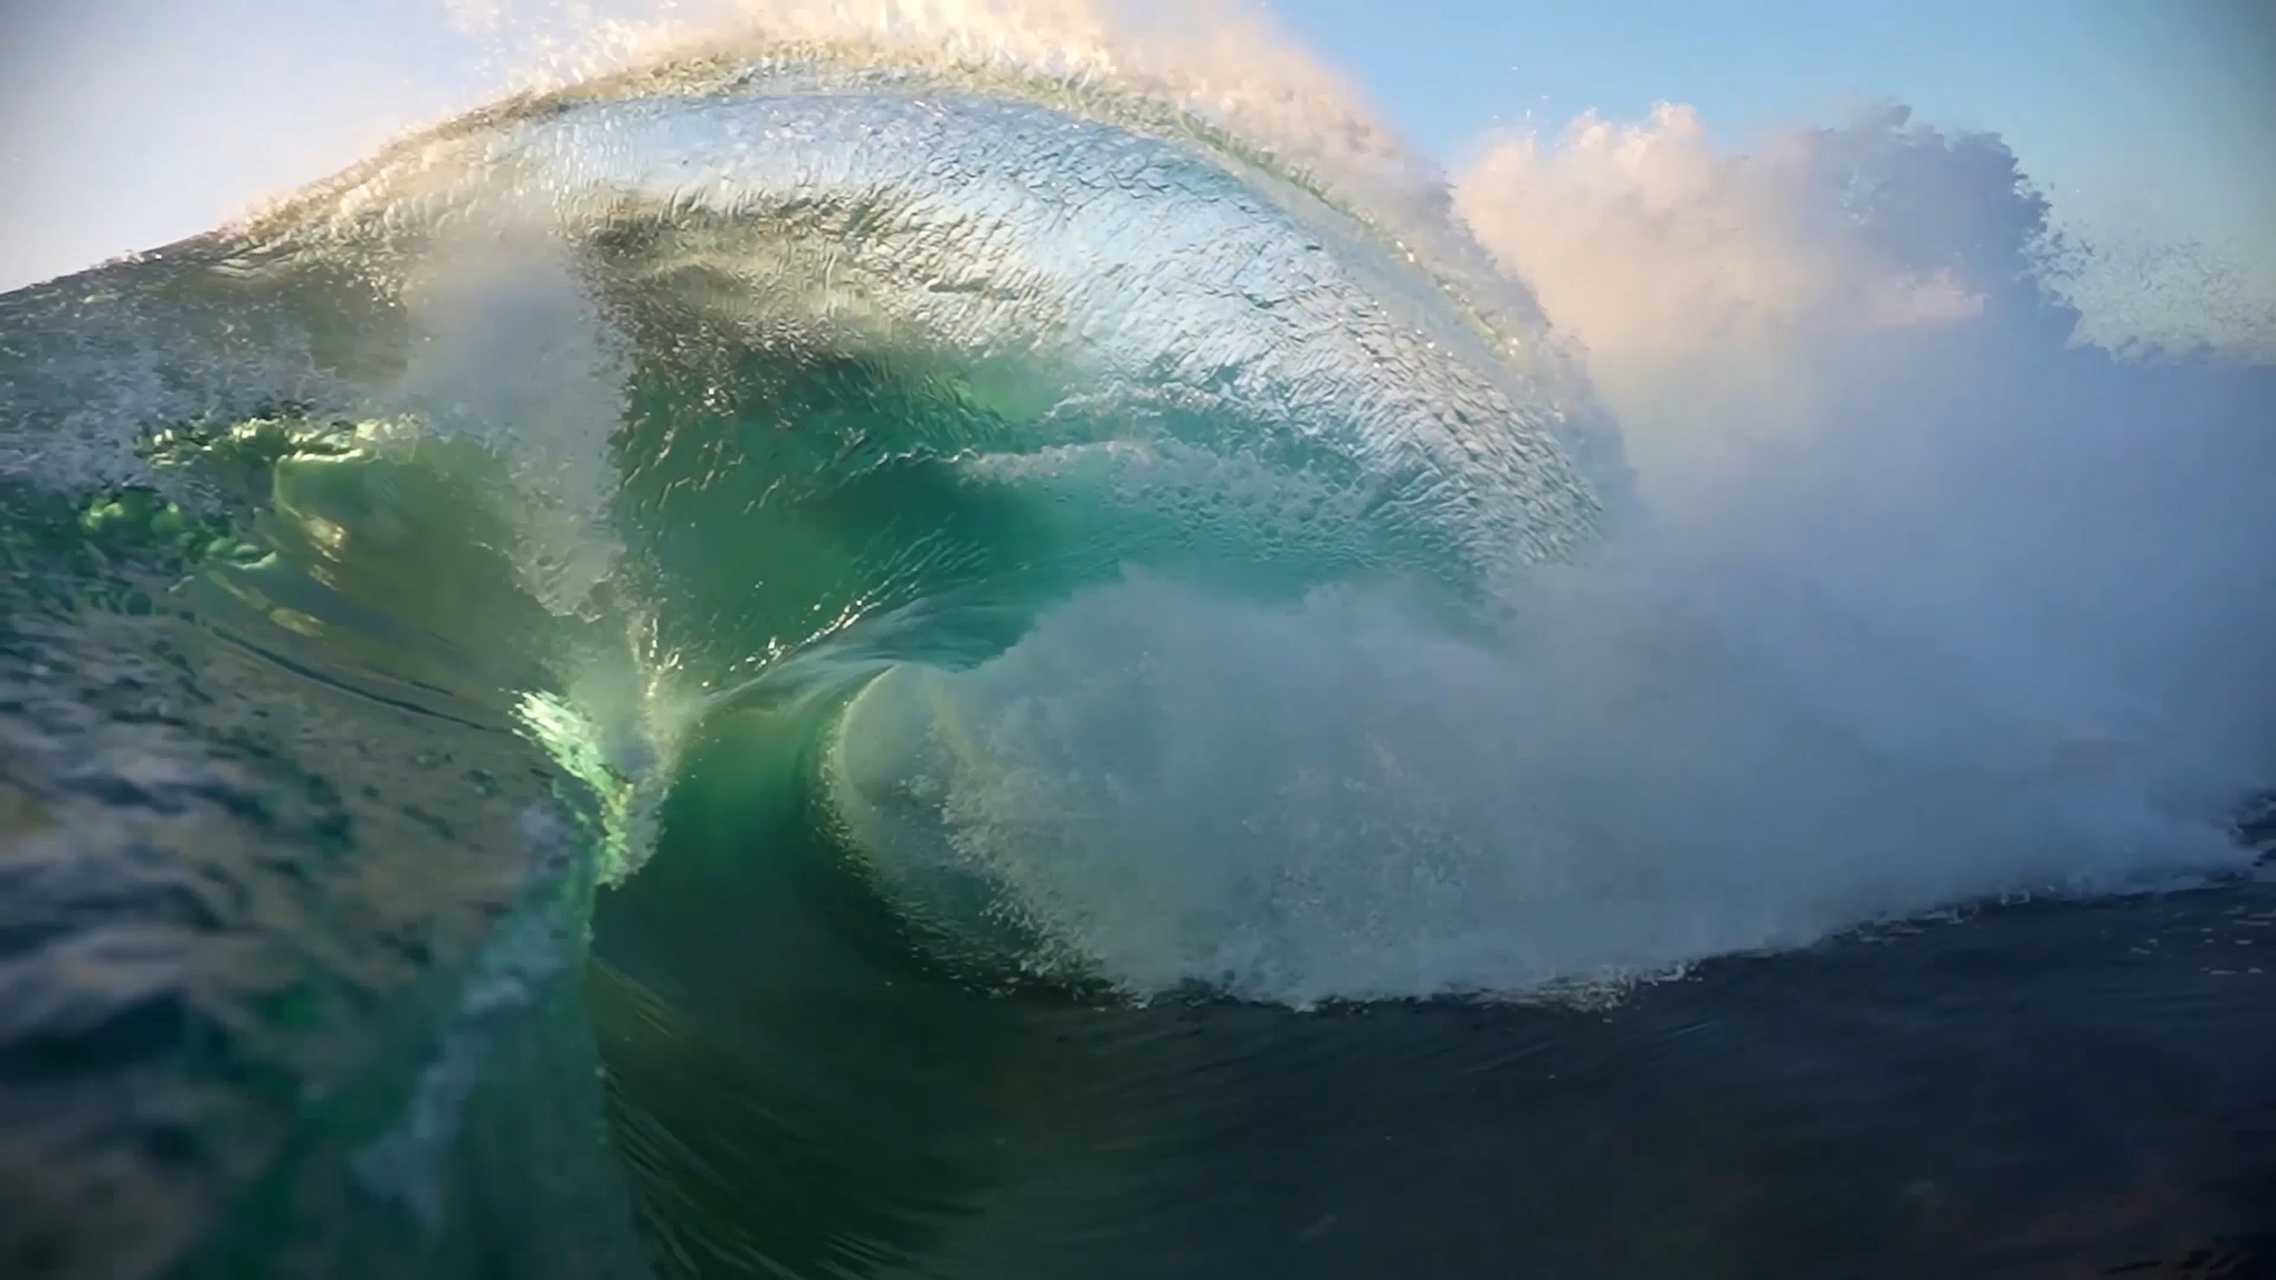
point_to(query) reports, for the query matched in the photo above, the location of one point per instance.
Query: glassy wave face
(1059, 694)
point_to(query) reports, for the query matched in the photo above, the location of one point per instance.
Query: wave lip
(1131, 283)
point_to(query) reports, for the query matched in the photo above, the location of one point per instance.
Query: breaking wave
(1089, 535)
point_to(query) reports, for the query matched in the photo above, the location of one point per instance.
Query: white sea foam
(1928, 603)
(1337, 800)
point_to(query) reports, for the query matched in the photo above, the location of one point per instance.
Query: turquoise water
(780, 668)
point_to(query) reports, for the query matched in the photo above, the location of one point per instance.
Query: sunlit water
(820, 661)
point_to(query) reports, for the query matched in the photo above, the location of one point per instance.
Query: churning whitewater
(767, 525)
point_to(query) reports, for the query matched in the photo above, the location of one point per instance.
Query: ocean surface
(812, 661)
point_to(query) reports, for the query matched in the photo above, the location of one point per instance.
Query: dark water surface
(2064, 1089)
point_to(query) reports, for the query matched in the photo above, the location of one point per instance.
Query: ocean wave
(994, 514)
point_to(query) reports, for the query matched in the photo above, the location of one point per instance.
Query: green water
(943, 701)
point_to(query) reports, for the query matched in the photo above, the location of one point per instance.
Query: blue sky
(2129, 111)
(130, 122)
